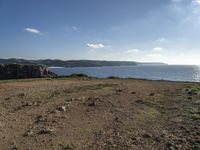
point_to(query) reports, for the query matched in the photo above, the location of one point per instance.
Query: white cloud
(32, 30)
(156, 52)
(95, 46)
(157, 49)
(197, 1)
(132, 51)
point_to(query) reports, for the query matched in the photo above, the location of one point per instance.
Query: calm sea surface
(165, 72)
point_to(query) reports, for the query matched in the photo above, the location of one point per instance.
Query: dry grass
(99, 114)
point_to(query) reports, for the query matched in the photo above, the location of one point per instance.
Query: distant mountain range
(74, 63)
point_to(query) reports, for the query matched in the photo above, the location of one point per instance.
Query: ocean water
(154, 72)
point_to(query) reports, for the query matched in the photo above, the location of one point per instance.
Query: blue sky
(137, 30)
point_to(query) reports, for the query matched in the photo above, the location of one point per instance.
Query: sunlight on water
(196, 76)
(166, 72)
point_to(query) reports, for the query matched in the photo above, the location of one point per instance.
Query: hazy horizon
(164, 31)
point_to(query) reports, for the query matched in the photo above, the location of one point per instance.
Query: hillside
(70, 63)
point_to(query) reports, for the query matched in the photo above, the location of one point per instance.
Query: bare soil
(98, 114)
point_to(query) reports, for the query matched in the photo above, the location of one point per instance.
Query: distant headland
(75, 63)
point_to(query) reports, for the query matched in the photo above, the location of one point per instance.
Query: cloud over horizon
(132, 50)
(32, 30)
(95, 45)
(157, 49)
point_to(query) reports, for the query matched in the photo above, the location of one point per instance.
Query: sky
(130, 30)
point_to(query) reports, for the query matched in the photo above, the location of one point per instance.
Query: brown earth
(83, 113)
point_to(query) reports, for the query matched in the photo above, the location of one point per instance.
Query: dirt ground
(99, 114)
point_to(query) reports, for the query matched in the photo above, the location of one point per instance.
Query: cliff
(19, 71)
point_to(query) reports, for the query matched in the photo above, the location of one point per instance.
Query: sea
(189, 73)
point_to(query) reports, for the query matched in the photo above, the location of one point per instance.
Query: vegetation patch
(193, 113)
(192, 90)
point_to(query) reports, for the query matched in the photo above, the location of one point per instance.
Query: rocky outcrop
(20, 71)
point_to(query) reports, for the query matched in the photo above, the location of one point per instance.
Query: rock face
(19, 71)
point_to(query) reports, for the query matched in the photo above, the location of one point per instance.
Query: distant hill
(72, 63)
(151, 63)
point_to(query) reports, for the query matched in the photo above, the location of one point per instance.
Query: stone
(29, 132)
(117, 119)
(172, 148)
(46, 130)
(55, 111)
(14, 147)
(118, 90)
(40, 119)
(139, 101)
(147, 135)
(92, 103)
(7, 98)
(151, 94)
(62, 108)
(192, 93)
(68, 103)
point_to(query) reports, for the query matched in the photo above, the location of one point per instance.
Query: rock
(133, 92)
(68, 103)
(29, 132)
(36, 104)
(192, 93)
(7, 98)
(157, 139)
(55, 111)
(67, 147)
(147, 135)
(151, 94)
(118, 90)
(117, 119)
(28, 104)
(40, 119)
(189, 97)
(62, 108)
(172, 148)
(92, 101)
(46, 130)
(139, 101)
(14, 147)
(20, 71)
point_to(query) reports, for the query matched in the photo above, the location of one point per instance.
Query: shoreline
(84, 76)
